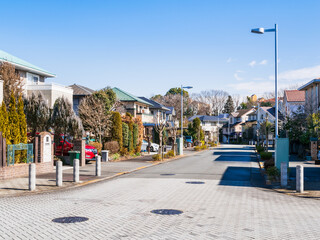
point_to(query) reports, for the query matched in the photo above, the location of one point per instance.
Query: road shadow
(311, 178)
(233, 156)
(242, 177)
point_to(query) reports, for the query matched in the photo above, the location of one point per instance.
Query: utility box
(180, 146)
(105, 155)
(281, 152)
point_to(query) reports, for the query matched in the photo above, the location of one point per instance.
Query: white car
(153, 148)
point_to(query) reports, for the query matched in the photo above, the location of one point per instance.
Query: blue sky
(147, 47)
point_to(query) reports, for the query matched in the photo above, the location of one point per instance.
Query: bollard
(59, 173)
(98, 166)
(299, 179)
(76, 164)
(32, 176)
(284, 174)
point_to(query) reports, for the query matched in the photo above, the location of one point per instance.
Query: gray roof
(170, 111)
(306, 86)
(205, 118)
(154, 104)
(81, 90)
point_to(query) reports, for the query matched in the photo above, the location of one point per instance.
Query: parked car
(67, 146)
(153, 148)
(188, 142)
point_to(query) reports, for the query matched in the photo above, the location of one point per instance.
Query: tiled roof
(24, 65)
(127, 97)
(294, 95)
(240, 112)
(205, 118)
(170, 111)
(155, 105)
(81, 90)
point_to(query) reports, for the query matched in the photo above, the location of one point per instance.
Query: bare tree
(12, 83)
(216, 99)
(94, 117)
(160, 126)
(236, 100)
(172, 127)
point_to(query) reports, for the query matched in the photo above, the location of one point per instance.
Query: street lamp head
(188, 87)
(258, 30)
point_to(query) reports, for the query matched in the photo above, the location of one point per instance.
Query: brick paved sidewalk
(46, 182)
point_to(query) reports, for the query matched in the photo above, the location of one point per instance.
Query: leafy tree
(125, 135)
(243, 105)
(12, 83)
(22, 121)
(14, 128)
(116, 129)
(265, 104)
(139, 123)
(38, 114)
(177, 91)
(229, 106)
(196, 127)
(4, 121)
(107, 96)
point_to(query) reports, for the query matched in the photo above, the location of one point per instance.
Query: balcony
(146, 118)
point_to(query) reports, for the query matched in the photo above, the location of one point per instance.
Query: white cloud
(236, 75)
(308, 73)
(263, 62)
(252, 63)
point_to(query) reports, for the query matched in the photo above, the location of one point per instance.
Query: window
(33, 78)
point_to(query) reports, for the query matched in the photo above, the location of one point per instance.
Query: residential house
(34, 80)
(136, 106)
(233, 129)
(171, 116)
(211, 125)
(269, 114)
(79, 92)
(157, 110)
(293, 102)
(249, 127)
(311, 90)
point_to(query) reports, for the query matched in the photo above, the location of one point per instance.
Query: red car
(90, 150)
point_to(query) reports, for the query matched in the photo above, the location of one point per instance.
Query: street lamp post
(182, 87)
(275, 30)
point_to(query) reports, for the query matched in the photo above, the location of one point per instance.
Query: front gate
(11, 148)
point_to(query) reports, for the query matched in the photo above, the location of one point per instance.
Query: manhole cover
(167, 211)
(167, 174)
(195, 182)
(70, 219)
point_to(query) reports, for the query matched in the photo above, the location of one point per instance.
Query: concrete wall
(51, 92)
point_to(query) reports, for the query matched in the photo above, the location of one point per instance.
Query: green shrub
(116, 129)
(124, 151)
(197, 148)
(266, 155)
(156, 157)
(268, 163)
(203, 147)
(259, 148)
(273, 172)
(125, 135)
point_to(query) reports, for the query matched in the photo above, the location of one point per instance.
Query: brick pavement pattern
(227, 206)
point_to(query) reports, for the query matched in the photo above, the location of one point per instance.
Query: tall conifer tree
(14, 130)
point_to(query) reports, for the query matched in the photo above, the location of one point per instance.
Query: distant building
(293, 102)
(211, 125)
(34, 80)
(79, 92)
(312, 96)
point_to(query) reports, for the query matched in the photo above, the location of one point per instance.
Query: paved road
(229, 205)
